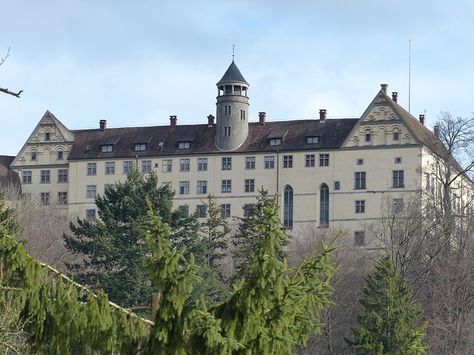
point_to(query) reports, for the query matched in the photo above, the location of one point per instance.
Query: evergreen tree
(247, 239)
(275, 308)
(214, 233)
(112, 246)
(390, 322)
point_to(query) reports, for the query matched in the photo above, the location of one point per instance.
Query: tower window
(242, 115)
(237, 90)
(227, 131)
(227, 110)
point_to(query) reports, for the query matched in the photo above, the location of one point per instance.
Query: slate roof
(232, 75)
(7, 176)
(163, 140)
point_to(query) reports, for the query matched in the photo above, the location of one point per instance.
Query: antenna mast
(409, 75)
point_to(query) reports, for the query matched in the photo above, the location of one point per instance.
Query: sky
(135, 63)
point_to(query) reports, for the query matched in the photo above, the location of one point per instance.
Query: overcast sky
(135, 63)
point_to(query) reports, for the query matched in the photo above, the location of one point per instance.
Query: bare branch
(2, 60)
(6, 91)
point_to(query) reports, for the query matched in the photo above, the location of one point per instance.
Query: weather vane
(233, 52)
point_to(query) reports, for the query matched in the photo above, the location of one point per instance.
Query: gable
(48, 137)
(380, 125)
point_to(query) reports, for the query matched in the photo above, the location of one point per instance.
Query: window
(33, 155)
(184, 145)
(225, 210)
(62, 198)
(269, 162)
(127, 166)
(27, 177)
(109, 168)
(248, 209)
(359, 238)
(359, 183)
(227, 131)
(427, 181)
(146, 166)
(107, 148)
(397, 160)
(288, 161)
(288, 207)
(227, 163)
(324, 159)
(184, 187)
(337, 185)
(59, 155)
(90, 214)
(312, 140)
(227, 110)
(45, 176)
(91, 191)
(62, 175)
(309, 160)
(201, 187)
(360, 161)
(242, 115)
(397, 205)
(324, 205)
(360, 206)
(202, 164)
(249, 185)
(167, 166)
(91, 169)
(139, 147)
(226, 186)
(44, 198)
(368, 135)
(184, 165)
(397, 179)
(250, 163)
(275, 141)
(396, 135)
(47, 136)
(201, 211)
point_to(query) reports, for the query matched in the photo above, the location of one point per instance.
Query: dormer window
(275, 141)
(139, 147)
(107, 148)
(184, 145)
(312, 140)
(47, 136)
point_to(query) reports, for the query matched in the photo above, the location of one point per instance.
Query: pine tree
(275, 308)
(112, 246)
(390, 322)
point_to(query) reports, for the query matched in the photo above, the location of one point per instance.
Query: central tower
(232, 109)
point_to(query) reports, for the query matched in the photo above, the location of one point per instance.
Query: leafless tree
(6, 90)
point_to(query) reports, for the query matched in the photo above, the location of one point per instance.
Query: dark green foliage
(275, 308)
(248, 240)
(214, 233)
(389, 324)
(179, 329)
(113, 251)
(8, 221)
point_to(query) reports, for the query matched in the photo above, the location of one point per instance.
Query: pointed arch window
(324, 205)
(288, 207)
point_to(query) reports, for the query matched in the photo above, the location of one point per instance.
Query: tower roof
(233, 75)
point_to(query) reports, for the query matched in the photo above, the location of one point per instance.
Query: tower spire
(233, 52)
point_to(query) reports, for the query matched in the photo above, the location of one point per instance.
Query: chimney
(384, 88)
(395, 96)
(322, 115)
(422, 119)
(173, 120)
(261, 118)
(210, 120)
(102, 125)
(436, 131)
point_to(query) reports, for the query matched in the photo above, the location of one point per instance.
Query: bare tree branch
(5, 90)
(2, 60)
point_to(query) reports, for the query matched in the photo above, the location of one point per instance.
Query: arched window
(368, 135)
(324, 205)
(288, 207)
(396, 135)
